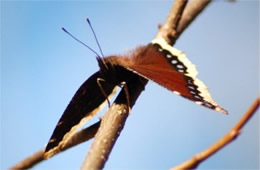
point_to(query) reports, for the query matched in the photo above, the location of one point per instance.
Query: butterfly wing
(87, 101)
(171, 68)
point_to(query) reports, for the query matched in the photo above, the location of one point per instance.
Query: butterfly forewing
(171, 69)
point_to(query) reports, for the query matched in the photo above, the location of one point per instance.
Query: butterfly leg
(102, 89)
(127, 94)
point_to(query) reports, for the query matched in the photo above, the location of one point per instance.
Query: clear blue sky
(42, 67)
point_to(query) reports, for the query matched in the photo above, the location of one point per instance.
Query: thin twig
(30, 161)
(229, 137)
(79, 137)
(169, 30)
(190, 13)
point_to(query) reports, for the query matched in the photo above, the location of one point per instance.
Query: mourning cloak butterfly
(157, 61)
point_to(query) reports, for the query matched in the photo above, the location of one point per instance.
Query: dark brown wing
(171, 68)
(87, 101)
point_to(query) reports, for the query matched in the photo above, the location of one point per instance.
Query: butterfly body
(157, 61)
(114, 73)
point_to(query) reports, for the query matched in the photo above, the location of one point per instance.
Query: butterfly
(157, 61)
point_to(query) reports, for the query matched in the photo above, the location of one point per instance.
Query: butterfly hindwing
(87, 101)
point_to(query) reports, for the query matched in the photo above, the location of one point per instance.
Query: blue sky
(42, 67)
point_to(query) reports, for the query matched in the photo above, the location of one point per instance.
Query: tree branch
(189, 14)
(115, 118)
(79, 137)
(229, 137)
(169, 30)
(111, 125)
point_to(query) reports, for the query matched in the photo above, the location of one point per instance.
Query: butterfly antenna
(95, 36)
(80, 41)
